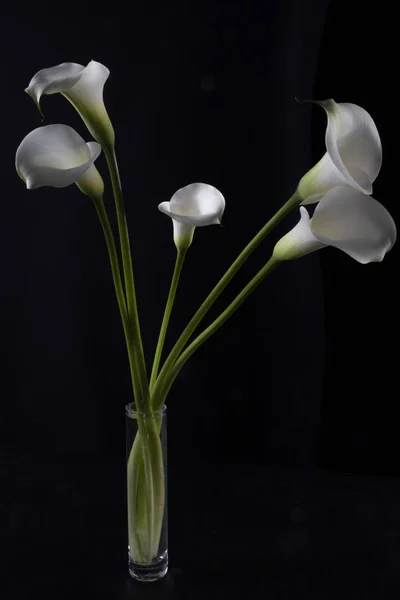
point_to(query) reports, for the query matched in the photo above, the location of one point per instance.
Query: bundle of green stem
(145, 471)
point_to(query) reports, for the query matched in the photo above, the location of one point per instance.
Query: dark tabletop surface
(233, 530)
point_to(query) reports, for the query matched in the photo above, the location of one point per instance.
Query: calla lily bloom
(353, 153)
(192, 206)
(346, 219)
(57, 156)
(83, 87)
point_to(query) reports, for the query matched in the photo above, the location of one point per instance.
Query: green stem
(143, 401)
(157, 390)
(112, 251)
(138, 528)
(144, 548)
(240, 298)
(152, 454)
(180, 257)
(136, 458)
(159, 484)
(136, 357)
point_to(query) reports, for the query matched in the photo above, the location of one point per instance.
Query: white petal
(353, 143)
(183, 234)
(83, 87)
(354, 152)
(87, 93)
(299, 241)
(195, 221)
(54, 155)
(355, 223)
(54, 79)
(91, 182)
(197, 204)
(87, 98)
(194, 205)
(322, 178)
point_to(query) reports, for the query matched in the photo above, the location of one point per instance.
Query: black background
(302, 379)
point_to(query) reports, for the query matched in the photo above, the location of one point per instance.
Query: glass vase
(146, 451)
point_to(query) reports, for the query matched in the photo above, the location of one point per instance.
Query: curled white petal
(354, 153)
(299, 241)
(83, 87)
(355, 223)
(55, 156)
(195, 205)
(54, 79)
(353, 143)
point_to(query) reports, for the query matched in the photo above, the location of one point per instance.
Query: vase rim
(131, 412)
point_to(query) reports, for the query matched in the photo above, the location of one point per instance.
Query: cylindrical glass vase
(146, 451)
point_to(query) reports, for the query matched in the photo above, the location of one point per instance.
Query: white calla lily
(57, 156)
(83, 87)
(346, 219)
(195, 205)
(353, 153)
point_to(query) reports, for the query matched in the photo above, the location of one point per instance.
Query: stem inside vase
(147, 530)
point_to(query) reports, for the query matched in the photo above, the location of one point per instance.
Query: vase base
(151, 571)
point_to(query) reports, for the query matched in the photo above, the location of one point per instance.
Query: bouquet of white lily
(346, 217)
